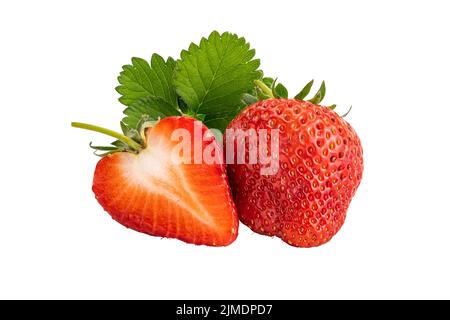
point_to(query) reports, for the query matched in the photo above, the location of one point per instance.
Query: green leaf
(151, 107)
(213, 76)
(141, 79)
(318, 97)
(125, 128)
(103, 148)
(101, 155)
(280, 91)
(221, 121)
(135, 135)
(268, 81)
(120, 145)
(201, 116)
(182, 106)
(171, 64)
(305, 91)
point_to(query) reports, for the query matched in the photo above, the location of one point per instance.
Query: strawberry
(144, 189)
(320, 167)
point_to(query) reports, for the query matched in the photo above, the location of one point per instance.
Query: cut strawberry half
(148, 191)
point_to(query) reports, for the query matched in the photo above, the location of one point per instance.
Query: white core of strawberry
(154, 170)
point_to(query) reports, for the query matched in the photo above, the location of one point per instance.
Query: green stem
(130, 142)
(265, 89)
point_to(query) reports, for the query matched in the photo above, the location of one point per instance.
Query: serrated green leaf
(281, 91)
(141, 79)
(318, 97)
(171, 64)
(221, 121)
(151, 107)
(305, 91)
(213, 76)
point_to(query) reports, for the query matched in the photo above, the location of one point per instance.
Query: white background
(59, 63)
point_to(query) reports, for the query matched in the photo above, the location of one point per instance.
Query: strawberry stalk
(265, 89)
(127, 140)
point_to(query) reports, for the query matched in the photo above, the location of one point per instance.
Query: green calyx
(131, 140)
(267, 88)
(318, 97)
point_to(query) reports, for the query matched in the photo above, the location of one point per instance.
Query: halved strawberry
(151, 193)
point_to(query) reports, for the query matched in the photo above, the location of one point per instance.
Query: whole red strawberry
(320, 167)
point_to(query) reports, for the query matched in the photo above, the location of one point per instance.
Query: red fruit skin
(145, 192)
(321, 165)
